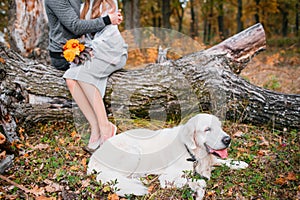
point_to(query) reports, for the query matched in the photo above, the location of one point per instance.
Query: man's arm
(68, 17)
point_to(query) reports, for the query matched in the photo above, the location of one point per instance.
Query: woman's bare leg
(86, 108)
(94, 97)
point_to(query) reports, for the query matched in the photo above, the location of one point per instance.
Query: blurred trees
(297, 7)
(208, 21)
(239, 16)
(131, 13)
(215, 20)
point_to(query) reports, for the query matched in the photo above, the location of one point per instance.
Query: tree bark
(242, 47)
(28, 27)
(199, 82)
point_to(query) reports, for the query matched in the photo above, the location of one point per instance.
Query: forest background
(208, 21)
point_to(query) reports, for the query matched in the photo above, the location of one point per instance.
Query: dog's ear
(187, 134)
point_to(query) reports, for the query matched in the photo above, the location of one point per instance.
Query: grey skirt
(95, 72)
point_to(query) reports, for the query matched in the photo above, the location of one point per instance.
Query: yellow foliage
(83, 162)
(74, 168)
(106, 188)
(73, 134)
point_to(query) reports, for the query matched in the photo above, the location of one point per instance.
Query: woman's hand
(116, 18)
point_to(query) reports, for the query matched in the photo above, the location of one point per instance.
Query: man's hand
(116, 18)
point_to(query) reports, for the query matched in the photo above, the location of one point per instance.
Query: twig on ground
(15, 184)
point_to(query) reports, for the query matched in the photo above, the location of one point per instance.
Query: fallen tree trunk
(203, 85)
(200, 82)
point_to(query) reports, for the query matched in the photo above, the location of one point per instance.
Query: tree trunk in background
(166, 14)
(221, 20)
(204, 30)
(154, 19)
(239, 16)
(297, 19)
(180, 14)
(194, 32)
(285, 23)
(256, 16)
(132, 18)
(28, 27)
(208, 14)
(205, 21)
(210, 21)
(131, 14)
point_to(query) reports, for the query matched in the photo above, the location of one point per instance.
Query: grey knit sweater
(64, 22)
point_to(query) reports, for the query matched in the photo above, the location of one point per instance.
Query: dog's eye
(207, 129)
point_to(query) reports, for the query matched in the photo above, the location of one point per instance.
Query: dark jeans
(58, 61)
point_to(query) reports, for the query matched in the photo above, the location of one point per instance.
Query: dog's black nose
(226, 140)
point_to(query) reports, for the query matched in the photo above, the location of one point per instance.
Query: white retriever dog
(167, 153)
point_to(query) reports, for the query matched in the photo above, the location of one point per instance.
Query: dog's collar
(195, 163)
(192, 158)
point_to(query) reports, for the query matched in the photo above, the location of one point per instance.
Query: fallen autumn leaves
(52, 165)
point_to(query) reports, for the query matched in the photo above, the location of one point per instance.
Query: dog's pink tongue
(222, 153)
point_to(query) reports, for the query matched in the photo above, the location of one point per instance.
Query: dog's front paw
(172, 180)
(199, 187)
(233, 164)
(195, 185)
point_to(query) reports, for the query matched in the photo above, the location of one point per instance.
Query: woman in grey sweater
(64, 24)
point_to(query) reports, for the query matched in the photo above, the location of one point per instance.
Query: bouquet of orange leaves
(76, 52)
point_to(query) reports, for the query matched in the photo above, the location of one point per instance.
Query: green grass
(52, 163)
(272, 83)
(281, 42)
